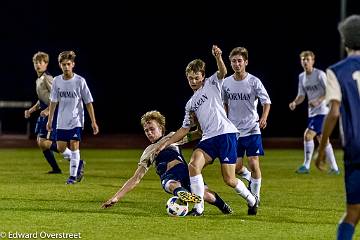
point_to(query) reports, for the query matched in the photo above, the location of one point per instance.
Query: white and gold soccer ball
(176, 207)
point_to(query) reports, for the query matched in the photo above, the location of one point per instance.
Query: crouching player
(170, 166)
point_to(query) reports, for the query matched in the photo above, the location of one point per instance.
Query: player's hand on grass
(109, 203)
(320, 161)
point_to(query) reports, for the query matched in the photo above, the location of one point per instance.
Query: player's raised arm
(216, 51)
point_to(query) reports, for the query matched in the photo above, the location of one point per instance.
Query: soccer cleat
(334, 172)
(71, 180)
(54, 172)
(194, 213)
(226, 209)
(302, 170)
(80, 171)
(188, 197)
(252, 210)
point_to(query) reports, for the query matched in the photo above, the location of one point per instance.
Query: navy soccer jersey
(344, 86)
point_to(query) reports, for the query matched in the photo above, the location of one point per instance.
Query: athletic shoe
(80, 171)
(334, 172)
(55, 171)
(252, 210)
(226, 209)
(188, 197)
(71, 180)
(302, 170)
(194, 213)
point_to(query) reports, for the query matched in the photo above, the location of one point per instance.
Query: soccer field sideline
(293, 206)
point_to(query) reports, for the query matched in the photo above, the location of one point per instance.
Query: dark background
(133, 54)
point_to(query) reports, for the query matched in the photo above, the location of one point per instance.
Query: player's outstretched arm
(178, 135)
(129, 185)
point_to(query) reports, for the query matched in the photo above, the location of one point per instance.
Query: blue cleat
(302, 170)
(80, 171)
(71, 180)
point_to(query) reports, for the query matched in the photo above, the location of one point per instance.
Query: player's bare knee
(230, 181)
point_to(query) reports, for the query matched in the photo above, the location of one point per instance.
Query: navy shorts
(352, 186)
(40, 128)
(251, 145)
(68, 134)
(178, 173)
(222, 146)
(315, 123)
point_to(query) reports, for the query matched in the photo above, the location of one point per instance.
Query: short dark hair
(349, 30)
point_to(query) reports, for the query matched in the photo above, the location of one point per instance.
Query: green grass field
(292, 207)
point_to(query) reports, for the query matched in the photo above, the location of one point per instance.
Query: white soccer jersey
(313, 86)
(242, 100)
(207, 104)
(70, 95)
(43, 87)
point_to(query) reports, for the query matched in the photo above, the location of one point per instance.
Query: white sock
(74, 162)
(329, 152)
(198, 188)
(245, 193)
(255, 185)
(246, 174)
(308, 152)
(67, 154)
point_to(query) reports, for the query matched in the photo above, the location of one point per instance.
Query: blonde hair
(304, 54)
(41, 56)
(156, 116)
(195, 66)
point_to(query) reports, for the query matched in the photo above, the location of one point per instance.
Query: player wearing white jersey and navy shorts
(343, 96)
(241, 93)
(312, 83)
(170, 165)
(68, 92)
(219, 134)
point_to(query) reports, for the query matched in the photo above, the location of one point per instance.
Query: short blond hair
(306, 53)
(156, 116)
(41, 56)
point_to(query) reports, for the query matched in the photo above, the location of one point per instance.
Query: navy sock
(345, 231)
(176, 190)
(51, 159)
(219, 203)
(53, 147)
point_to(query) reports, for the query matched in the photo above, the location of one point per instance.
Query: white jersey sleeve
(333, 90)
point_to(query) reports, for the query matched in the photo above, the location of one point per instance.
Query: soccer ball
(176, 207)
